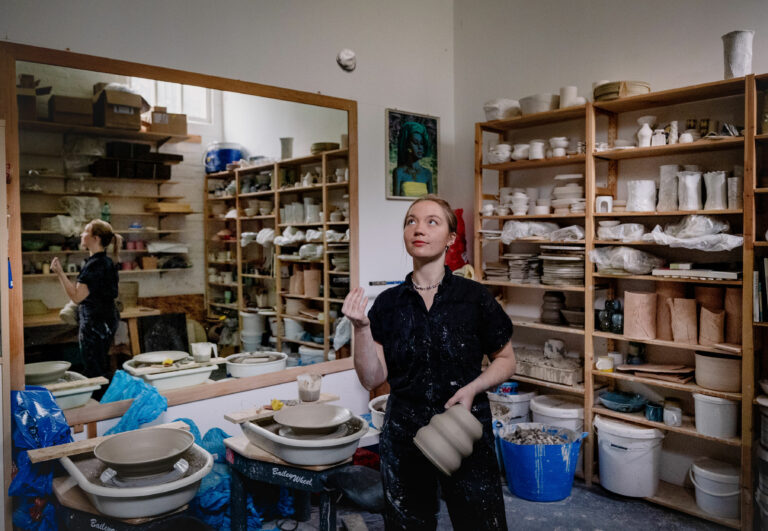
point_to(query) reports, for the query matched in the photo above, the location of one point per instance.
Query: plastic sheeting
(630, 260)
(147, 404)
(702, 233)
(516, 230)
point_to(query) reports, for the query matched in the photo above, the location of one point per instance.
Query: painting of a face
(412, 143)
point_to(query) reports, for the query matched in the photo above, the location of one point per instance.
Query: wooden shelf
(684, 500)
(223, 284)
(220, 175)
(294, 296)
(284, 225)
(763, 190)
(760, 324)
(531, 322)
(663, 343)
(92, 178)
(223, 198)
(687, 387)
(230, 306)
(300, 318)
(119, 231)
(671, 213)
(121, 272)
(578, 390)
(699, 146)
(531, 286)
(701, 92)
(536, 242)
(305, 343)
(222, 262)
(337, 185)
(52, 127)
(531, 164)
(124, 214)
(761, 138)
(688, 427)
(263, 193)
(263, 277)
(540, 118)
(157, 197)
(340, 273)
(253, 218)
(45, 253)
(534, 216)
(669, 279)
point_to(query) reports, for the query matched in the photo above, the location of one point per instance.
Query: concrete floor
(588, 508)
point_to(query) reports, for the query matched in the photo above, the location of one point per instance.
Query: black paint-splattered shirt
(431, 354)
(100, 275)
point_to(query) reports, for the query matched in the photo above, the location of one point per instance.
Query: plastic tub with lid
(562, 411)
(717, 487)
(629, 457)
(716, 417)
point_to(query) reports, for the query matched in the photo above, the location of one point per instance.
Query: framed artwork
(412, 141)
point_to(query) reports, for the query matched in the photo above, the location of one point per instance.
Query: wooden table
(249, 461)
(130, 315)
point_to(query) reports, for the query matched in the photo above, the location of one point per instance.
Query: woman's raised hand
(354, 308)
(56, 265)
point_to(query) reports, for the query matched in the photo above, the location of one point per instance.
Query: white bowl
(540, 210)
(609, 223)
(495, 157)
(558, 142)
(539, 103)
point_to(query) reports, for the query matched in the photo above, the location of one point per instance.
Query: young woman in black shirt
(426, 338)
(95, 291)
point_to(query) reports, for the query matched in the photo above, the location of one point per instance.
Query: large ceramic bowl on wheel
(45, 372)
(313, 417)
(252, 363)
(144, 452)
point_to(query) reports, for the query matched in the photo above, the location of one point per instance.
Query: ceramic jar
(520, 151)
(536, 150)
(644, 135)
(448, 438)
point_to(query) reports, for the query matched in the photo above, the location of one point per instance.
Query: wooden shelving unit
(46, 185)
(491, 176)
(276, 195)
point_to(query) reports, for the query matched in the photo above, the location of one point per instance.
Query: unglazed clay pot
(449, 438)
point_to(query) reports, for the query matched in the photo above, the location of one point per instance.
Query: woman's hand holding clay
(354, 308)
(464, 396)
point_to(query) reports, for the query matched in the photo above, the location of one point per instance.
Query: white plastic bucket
(310, 355)
(562, 411)
(762, 471)
(717, 487)
(518, 404)
(252, 322)
(251, 341)
(716, 417)
(293, 329)
(717, 372)
(629, 457)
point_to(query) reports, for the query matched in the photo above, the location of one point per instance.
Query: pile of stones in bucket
(526, 436)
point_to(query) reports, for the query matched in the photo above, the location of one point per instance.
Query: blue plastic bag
(123, 387)
(146, 408)
(35, 514)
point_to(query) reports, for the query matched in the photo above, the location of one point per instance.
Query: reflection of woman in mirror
(427, 338)
(411, 178)
(95, 291)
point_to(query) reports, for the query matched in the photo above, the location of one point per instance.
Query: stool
(249, 461)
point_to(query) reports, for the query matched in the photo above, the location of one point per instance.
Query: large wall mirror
(237, 210)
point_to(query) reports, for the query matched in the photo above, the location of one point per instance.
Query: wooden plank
(539, 118)
(589, 291)
(260, 412)
(85, 446)
(672, 213)
(670, 344)
(670, 279)
(242, 446)
(531, 164)
(99, 380)
(530, 286)
(656, 367)
(52, 317)
(706, 144)
(575, 389)
(159, 369)
(530, 322)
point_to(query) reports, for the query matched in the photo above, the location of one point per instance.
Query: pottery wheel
(110, 478)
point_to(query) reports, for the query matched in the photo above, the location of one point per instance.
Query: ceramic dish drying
(76, 397)
(138, 502)
(144, 452)
(44, 372)
(313, 417)
(253, 363)
(264, 433)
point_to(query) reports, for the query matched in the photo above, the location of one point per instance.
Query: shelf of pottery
(278, 244)
(68, 178)
(650, 223)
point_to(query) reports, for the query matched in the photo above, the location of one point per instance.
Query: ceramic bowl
(609, 223)
(648, 119)
(45, 371)
(250, 212)
(448, 438)
(498, 157)
(541, 210)
(144, 452)
(501, 108)
(312, 417)
(558, 142)
(378, 407)
(539, 103)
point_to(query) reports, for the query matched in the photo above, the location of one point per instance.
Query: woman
(95, 291)
(427, 338)
(411, 178)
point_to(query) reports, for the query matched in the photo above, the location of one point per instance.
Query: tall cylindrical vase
(737, 50)
(286, 147)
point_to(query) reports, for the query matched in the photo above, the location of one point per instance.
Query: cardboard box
(26, 99)
(148, 262)
(162, 121)
(69, 110)
(120, 110)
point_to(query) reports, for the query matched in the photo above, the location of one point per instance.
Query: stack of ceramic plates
(319, 147)
(562, 265)
(534, 270)
(579, 206)
(497, 271)
(518, 270)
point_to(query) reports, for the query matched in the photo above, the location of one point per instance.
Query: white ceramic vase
(644, 135)
(737, 50)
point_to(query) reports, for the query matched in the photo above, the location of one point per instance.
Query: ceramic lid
(714, 470)
(561, 406)
(624, 429)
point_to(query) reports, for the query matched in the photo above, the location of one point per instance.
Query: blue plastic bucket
(219, 154)
(541, 472)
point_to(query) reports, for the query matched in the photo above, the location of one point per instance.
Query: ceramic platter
(312, 417)
(160, 356)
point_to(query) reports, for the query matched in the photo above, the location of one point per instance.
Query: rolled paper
(684, 320)
(640, 314)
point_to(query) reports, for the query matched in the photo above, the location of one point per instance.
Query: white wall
(405, 61)
(516, 48)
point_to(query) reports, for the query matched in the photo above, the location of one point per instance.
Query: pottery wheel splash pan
(305, 451)
(144, 452)
(138, 502)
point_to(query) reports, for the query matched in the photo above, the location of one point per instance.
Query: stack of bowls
(499, 153)
(539, 103)
(558, 145)
(568, 198)
(519, 203)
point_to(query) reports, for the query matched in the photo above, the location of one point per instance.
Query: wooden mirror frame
(13, 335)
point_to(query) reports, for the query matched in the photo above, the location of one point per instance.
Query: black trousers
(95, 334)
(473, 493)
